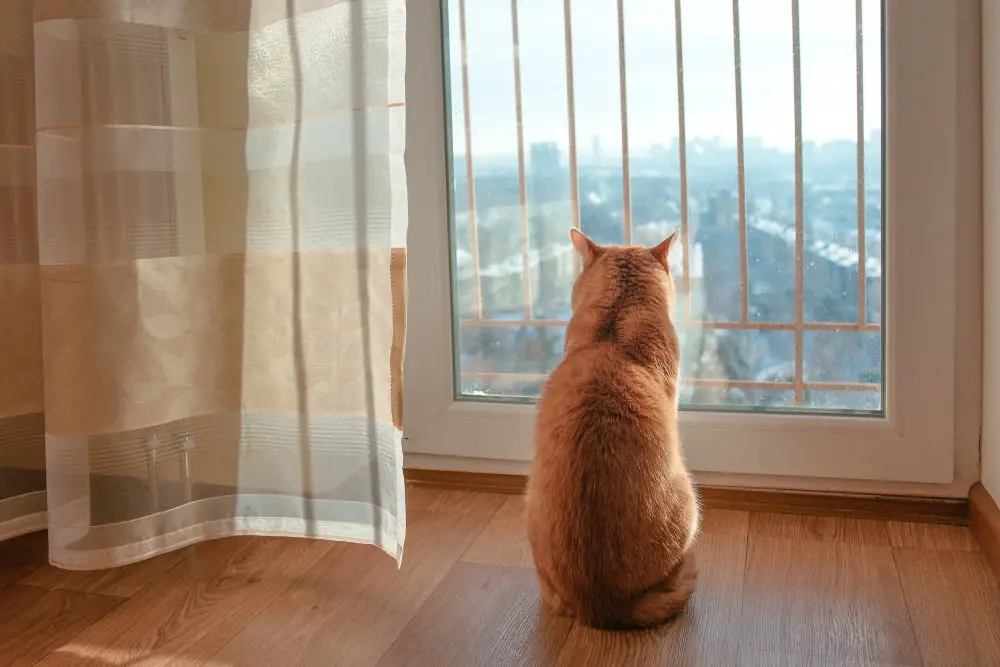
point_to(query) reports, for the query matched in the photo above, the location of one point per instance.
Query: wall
(991, 246)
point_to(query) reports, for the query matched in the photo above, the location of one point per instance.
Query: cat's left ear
(662, 251)
(588, 249)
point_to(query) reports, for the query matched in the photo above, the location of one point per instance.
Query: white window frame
(926, 326)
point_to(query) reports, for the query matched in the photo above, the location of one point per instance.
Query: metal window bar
(694, 324)
(682, 158)
(741, 166)
(623, 95)
(469, 171)
(522, 184)
(799, 326)
(862, 227)
(799, 223)
(574, 176)
(721, 383)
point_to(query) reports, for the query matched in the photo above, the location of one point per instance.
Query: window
(815, 285)
(753, 126)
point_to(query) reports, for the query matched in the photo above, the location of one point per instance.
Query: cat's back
(599, 390)
(603, 430)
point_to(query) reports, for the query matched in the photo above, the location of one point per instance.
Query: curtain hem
(68, 559)
(22, 525)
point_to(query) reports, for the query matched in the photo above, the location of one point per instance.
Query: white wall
(991, 246)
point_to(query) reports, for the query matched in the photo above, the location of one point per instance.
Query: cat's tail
(661, 603)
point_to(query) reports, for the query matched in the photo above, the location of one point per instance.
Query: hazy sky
(828, 71)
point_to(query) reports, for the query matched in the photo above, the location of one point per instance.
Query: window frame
(927, 124)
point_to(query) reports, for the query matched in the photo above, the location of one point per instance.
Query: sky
(827, 44)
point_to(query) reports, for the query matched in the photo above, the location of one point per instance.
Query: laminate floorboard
(120, 582)
(21, 556)
(481, 616)
(352, 605)
(773, 590)
(832, 602)
(954, 606)
(187, 614)
(504, 540)
(44, 621)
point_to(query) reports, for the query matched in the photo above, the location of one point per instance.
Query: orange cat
(612, 512)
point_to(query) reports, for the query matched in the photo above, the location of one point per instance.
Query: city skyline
(586, 148)
(512, 359)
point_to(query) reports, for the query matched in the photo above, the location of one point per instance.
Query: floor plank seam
(23, 582)
(67, 589)
(747, 546)
(906, 603)
(475, 536)
(413, 617)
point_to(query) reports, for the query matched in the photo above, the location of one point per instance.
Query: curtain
(202, 273)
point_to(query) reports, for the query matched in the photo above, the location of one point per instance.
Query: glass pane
(598, 118)
(829, 161)
(544, 117)
(769, 158)
(508, 360)
(555, 123)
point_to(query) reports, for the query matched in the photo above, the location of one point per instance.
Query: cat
(612, 512)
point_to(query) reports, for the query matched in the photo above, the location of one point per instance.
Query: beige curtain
(202, 292)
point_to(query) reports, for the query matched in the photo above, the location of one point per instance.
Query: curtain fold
(202, 272)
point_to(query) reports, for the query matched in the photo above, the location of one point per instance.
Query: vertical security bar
(469, 171)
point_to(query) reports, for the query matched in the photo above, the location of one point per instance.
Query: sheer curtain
(202, 272)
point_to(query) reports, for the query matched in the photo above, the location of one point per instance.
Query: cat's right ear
(662, 251)
(588, 249)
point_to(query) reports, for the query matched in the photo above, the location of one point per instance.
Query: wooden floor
(773, 590)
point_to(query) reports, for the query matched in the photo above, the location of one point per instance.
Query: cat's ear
(588, 249)
(662, 251)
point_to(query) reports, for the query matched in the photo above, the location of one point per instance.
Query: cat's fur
(612, 512)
